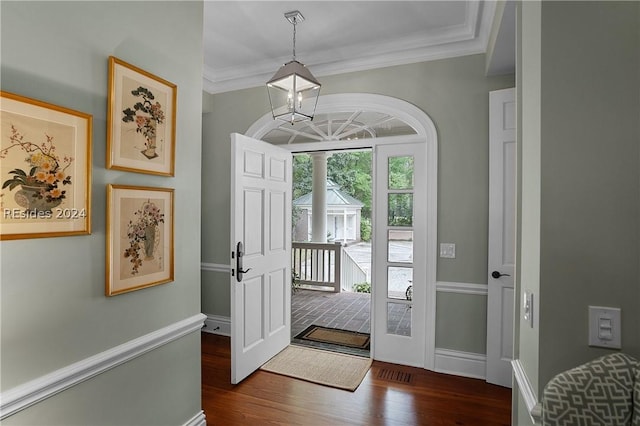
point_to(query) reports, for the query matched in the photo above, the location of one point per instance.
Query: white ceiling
(245, 42)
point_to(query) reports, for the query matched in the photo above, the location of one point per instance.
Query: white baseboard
(527, 391)
(197, 420)
(217, 325)
(461, 363)
(34, 391)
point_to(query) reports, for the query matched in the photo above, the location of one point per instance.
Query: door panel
(260, 220)
(502, 238)
(400, 254)
(277, 288)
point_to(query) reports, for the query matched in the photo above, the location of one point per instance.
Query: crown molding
(465, 39)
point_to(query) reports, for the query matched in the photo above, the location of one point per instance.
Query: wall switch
(604, 327)
(527, 307)
(448, 250)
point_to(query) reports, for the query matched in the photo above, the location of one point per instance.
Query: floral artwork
(141, 120)
(147, 115)
(143, 233)
(44, 170)
(139, 237)
(41, 188)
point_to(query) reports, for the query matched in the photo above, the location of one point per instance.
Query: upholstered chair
(602, 392)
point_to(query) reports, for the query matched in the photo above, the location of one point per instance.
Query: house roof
(335, 198)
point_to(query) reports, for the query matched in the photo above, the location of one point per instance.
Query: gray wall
(454, 93)
(586, 132)
(53, 309)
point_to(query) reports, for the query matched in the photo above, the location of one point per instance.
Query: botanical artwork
(42, 179)
(141, 120)
(146, 118)
(139, 237)
(143, 236)
(44, 169)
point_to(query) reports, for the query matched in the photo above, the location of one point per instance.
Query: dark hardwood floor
(389, 395)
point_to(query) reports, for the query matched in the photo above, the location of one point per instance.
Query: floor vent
(395, 376)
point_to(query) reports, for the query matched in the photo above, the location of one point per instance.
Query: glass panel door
(400, 254)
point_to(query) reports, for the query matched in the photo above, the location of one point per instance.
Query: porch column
(319, 198)
(344, 225)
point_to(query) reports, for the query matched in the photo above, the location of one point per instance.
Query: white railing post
(337, 271)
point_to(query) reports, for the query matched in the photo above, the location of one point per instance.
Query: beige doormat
(326, 368)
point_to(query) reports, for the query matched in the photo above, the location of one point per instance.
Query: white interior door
(502, 235)
(400, 254)
(261, 221)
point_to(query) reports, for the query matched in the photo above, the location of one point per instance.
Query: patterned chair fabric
(602, 392)
(636, 400)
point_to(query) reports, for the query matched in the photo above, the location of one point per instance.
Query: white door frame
(425, 133)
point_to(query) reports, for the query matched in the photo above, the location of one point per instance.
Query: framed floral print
(139, 238)
(45, 169)
(141, 122)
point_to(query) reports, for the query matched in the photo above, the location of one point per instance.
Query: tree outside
(350, 170)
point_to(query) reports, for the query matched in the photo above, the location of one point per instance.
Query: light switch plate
(605, 327)
(527, 308)
(448, 250)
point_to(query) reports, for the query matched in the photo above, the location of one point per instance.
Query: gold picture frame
(45, 169)
(141, 120)
(140, 251)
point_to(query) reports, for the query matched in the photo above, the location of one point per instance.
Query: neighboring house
(343, 215)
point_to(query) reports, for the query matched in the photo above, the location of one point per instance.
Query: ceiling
(245, 42)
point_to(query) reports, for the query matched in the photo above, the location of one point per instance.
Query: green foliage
(400, 209)
(401, 172)
(365, 229)
(352, 172)
(295, 281)
(362, 288)
(302, 175)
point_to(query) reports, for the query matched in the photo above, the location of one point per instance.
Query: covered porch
(343, 311)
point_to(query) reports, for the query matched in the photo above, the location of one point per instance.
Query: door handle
(496, 275)
(239, 255)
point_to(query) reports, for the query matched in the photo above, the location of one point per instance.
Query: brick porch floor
(345, 311)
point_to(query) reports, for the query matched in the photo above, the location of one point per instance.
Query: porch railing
(317, 265)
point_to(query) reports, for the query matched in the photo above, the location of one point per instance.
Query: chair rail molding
(36, 390)
(215, 267)
(462, 288)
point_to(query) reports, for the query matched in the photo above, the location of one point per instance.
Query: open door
(260, 253)
(401, 286)
(502, 235)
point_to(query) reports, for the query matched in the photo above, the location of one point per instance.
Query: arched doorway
(399, 133)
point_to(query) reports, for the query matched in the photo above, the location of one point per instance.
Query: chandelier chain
(294, 38)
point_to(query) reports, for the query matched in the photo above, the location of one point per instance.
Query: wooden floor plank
(270, 399)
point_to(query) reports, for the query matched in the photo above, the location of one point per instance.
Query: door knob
(496, 275)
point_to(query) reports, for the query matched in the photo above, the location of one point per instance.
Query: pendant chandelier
(293, 90)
